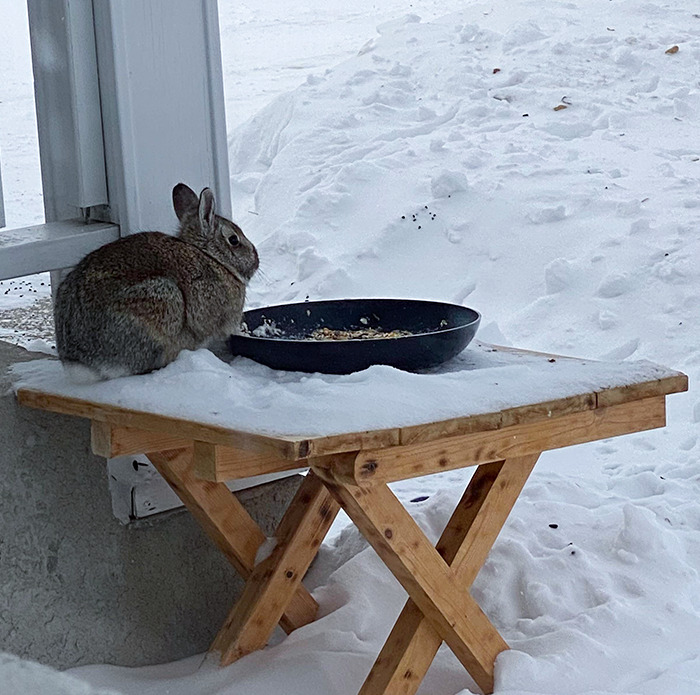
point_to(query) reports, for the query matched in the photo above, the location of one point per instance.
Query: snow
(572, 230)
(249, 397)
(26, 677)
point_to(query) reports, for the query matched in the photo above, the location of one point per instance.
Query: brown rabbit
(131, 306)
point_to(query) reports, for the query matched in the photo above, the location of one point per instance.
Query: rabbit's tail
(81, 374)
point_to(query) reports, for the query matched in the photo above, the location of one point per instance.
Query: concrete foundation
(76, 586)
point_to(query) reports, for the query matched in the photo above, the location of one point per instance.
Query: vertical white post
(161, 90)
(162, 97)
(2, 203)
(69, 122)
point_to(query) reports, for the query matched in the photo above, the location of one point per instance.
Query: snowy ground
(550, 155)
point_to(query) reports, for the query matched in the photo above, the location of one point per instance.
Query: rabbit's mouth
(254, 265)
(247, 267)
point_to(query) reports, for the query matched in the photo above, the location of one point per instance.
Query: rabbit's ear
(206, 210)
(184, 200)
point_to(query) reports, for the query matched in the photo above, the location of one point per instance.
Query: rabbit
(131, 306)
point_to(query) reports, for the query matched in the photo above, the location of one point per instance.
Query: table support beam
(228, 524)
(408, 461)
(423, 573)
(277, 578)
(464, 544)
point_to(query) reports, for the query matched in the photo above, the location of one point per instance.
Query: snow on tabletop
(248, 397)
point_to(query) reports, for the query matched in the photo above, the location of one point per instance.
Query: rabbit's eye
(234, 240)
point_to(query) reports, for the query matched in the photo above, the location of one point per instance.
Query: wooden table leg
(228, 524)
(464, 544)
(423, 573)
(276, 579)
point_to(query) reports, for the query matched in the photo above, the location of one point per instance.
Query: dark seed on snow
(554, 526)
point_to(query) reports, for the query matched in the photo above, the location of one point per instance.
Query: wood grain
(290, 448)
(401, 462)
(218, 463)
(300, 447)
(487, 422)
(464, 544)
(228, 524)
(642, 390)
(110, 441)
(276, 579)
(429, 581)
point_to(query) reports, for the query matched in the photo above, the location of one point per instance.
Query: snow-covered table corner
(248, 397)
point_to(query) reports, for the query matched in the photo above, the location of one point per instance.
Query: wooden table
(351, 471)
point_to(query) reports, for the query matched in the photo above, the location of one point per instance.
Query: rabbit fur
(131, 306)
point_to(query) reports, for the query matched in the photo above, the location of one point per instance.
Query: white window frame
(129, 100)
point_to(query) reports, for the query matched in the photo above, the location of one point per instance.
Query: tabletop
(295, 416)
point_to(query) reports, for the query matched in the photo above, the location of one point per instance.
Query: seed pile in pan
(326, 333)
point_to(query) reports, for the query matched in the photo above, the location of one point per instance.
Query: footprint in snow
(672, 269)
(310, 262)
(639, 535)
(361, 77)
(447, 183)
(546, 215)
(628, 208)
(639, 227)
(688, 444)
(643, 444)
(614, 285)
(622, 352)
(521, 34)
(464, 293)
(607, 319)
(558, 275)
(696, 412)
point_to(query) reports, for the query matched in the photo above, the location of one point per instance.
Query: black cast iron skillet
(439, 331)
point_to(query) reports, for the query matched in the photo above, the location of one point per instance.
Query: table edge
(298, 448)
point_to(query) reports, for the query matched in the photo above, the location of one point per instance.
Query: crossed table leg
(440, 607)
(273, 591)
(436, 579)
